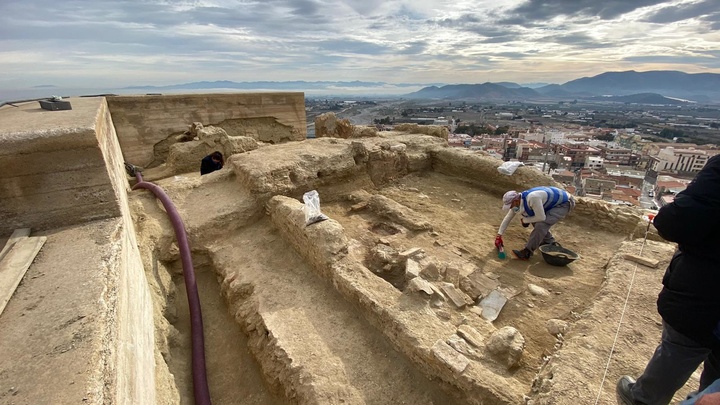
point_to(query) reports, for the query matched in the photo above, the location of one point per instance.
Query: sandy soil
(324, 334)
(470, 218)
(233, 373)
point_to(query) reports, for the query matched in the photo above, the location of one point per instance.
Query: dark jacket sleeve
(694, 217)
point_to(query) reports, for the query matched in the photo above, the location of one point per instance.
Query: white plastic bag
(509, 167)
(312, 208)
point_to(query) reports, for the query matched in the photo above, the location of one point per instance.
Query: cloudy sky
(113, 43)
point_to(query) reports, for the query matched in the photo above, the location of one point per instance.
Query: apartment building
(619, 156)
(675, 160)
(594, 162)
(578, 153)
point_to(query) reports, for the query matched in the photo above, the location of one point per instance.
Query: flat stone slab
(14, 265)
(645, 261)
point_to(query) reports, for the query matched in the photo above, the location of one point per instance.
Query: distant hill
(654, 87)
(642, 98)
(697, 87)
(485, 91)
(269, 85)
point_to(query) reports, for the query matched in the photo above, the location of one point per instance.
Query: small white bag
(509, 167)
(312, 208)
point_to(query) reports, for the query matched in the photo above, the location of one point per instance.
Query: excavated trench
(275, 331)
(325, 313)
(233, 373)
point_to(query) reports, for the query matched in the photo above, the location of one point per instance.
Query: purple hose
(200, 385)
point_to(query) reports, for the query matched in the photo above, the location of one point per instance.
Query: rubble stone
(537, 290)
(471, 335)
(450, 357)
(556, 327)
(507, 344)
(455, 296)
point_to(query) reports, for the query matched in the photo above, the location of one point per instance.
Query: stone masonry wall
(481, 170)
(147, 125)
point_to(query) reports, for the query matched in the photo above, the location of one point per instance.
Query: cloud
(685, 11)
(545, 10)
(161, 41)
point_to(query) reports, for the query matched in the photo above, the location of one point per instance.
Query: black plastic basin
(558, 256)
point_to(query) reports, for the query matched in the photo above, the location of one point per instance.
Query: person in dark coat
(689, 302)
(211, 162)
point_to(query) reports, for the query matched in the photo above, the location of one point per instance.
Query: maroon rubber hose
(199, 374)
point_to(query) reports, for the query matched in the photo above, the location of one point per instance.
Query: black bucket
(558, 256)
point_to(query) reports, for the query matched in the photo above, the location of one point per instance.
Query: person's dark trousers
(673, 362)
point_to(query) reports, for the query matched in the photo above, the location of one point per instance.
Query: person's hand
(523, 223)
(499, 241)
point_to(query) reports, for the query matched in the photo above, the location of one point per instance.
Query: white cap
(508, 198)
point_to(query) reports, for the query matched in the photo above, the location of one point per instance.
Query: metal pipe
(200, 385)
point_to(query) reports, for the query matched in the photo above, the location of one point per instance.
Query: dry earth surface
(277, 332)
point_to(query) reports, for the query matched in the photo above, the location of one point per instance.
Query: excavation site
(354, 268)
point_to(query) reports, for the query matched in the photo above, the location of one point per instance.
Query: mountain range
(653, 87)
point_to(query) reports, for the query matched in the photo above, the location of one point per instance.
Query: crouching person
(541, 207)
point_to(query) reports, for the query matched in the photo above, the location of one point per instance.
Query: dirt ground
(470, 219)
(289, 293)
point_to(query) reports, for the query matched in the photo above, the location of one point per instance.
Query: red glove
(499, 241)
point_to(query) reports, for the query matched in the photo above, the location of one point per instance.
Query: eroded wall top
(147, 125)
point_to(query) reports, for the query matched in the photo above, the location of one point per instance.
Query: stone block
(455, 296)
(452, 275)
(453, 359)
(462, 346)
(471, 334)
(411, 252)
(418, 284)
(645, 261)
(412, 269)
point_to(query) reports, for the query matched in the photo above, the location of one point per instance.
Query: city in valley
(631, 154)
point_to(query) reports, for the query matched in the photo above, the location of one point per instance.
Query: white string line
(622, 315)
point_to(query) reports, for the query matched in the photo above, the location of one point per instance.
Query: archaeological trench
(385, 302)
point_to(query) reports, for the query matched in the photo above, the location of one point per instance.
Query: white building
(680, 160)
(594, 162)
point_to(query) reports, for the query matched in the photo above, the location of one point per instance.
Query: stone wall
(134, 355)
(481, 170)
(147, 125)
(63, 168)
(52, 170)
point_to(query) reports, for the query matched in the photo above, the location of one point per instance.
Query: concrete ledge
(58, 353)
(54, 172)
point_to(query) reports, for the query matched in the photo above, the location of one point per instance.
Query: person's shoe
(623, 391)
(524, 254)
